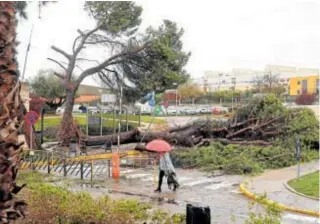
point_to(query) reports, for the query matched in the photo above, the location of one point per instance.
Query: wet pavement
(272, 182)
(220, 192)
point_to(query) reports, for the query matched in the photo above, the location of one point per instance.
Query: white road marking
(149, 179)
(183, 179)
(302, 218)
(201, 181)
(217, 186)
(126, 171)
(138, 175)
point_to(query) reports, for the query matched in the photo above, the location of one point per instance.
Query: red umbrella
(159, 146)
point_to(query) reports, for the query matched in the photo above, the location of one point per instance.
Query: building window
(298, 82)
(298, 92)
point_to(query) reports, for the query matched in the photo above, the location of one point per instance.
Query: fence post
(51, 161)
(140, 117)
(48, 162)
(127, 119)
(81, 170)
(91, 178)
(64, 167)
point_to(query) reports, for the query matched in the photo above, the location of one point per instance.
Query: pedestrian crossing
(102, 171)
(209, 183)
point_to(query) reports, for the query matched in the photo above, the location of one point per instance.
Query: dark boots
(161, 175)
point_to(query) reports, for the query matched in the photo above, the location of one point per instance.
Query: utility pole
(26, 57)
(119, 123)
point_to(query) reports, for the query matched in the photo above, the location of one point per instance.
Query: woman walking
(166, 168)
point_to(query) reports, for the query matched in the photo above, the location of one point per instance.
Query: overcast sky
(221, 34)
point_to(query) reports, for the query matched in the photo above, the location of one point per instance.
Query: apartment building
(242, 78)
(303, 84)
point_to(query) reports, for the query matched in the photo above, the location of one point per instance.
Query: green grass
(307, 184)
(144, 118)
(55, 122)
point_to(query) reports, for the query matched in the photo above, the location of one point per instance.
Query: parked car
(93, 110)
(190, 111)
(143, 112)
(77, 108)
(171, 111)
(219, 110)
(205, 111)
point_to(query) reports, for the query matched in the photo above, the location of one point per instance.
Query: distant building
(303, 84)
(245, 78)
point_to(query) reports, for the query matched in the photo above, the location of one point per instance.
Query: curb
(281, 206)
(298, 193)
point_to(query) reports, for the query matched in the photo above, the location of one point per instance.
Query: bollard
(197, 215)
(115, 165)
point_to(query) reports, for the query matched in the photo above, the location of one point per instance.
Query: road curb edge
(281, 206)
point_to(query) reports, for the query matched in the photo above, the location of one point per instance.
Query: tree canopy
(189, 90)
(48, 86)
(140, 62)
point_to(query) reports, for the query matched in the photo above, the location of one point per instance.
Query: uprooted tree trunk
(249, 132)
(11, 118)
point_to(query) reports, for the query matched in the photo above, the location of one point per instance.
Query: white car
(190, 111)
(205, 111)
(171, 111)
(93, 110)
(75, 109)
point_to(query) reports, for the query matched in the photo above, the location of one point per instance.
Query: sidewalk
(272, 182)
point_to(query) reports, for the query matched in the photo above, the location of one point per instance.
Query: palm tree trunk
(11, 118)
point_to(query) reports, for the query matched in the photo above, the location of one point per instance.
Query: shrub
(235, 159)
(52, 204)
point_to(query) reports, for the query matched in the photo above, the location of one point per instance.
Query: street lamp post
(101, 111)
(119, 123)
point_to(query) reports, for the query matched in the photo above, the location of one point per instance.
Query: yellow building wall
(295, 85)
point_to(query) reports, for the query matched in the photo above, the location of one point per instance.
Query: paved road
(220, 193)
(272, 182)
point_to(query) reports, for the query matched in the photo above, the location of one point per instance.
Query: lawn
(55, 121)
(144, 118)
(307, 184)
(133, 118)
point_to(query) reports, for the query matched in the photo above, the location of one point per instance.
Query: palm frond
(20, 7)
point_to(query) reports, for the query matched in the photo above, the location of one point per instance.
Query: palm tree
(12, 112)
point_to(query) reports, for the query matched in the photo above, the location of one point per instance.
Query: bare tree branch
(84, 36)
(59, 75)
(61, 52)
(58, 63)
(109, 61)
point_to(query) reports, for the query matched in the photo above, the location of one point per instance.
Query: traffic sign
(32, 117)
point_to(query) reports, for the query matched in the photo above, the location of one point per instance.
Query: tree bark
(11, 118)
(68, 130)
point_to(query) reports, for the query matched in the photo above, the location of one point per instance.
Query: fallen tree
(260, 122)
